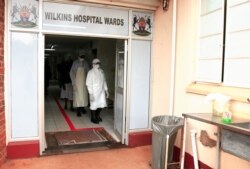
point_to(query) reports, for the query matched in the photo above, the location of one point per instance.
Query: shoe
(78, 112)
(93, 118)
(99, 118)
(83, 111)
(97, 115)
(95, 121)
(72, 109)
(65, 107)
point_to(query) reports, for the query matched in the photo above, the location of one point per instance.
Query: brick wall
(2, 112)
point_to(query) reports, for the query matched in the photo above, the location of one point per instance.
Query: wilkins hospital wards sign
(85, 19)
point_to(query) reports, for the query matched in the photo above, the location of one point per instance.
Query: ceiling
(66, 41)
(55, 44)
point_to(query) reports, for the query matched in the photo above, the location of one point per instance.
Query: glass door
(120, 89)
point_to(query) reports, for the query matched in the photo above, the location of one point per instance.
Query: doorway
(61, 120)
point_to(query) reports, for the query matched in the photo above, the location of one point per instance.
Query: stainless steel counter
(215, 120)
(234, 131)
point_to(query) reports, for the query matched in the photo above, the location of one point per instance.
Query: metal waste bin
(163, 138)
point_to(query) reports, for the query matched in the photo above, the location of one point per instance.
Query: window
(224, 42)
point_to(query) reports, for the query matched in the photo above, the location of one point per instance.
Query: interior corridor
(59, 119)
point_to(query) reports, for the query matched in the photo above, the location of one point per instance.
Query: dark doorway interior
(61, 119)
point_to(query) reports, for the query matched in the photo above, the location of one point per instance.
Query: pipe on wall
(173, 60)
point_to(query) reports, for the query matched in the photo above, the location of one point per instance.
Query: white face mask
(96, 66)
(81, 59)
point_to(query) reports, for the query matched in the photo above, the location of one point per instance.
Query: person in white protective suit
(78, 73)
(98, 90)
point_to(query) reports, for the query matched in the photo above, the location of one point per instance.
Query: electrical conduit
(173, 60)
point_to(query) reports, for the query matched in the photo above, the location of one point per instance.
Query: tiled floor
(55, 121)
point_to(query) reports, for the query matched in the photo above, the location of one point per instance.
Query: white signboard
(76, 18)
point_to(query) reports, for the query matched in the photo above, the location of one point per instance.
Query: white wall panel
(24, 116)
(140, 84)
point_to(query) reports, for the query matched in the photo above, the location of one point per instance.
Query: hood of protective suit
(81, 58)
(96, 63)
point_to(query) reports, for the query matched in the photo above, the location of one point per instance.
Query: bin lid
(167, 125)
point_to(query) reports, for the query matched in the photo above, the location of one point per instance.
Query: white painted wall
(160, 62)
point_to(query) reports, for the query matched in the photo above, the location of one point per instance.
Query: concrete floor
(123, 158)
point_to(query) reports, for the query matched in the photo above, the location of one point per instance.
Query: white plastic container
(220, 104)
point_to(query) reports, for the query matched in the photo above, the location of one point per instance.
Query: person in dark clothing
(65, 83)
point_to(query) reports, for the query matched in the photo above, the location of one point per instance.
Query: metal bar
(166, 152)
(183, 143)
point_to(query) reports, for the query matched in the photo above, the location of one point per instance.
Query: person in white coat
(78, 73)
(98, 90)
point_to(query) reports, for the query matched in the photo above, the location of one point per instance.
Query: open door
(120, 89)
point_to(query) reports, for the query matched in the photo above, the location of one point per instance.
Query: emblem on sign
(142, 25)
(24, 16)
